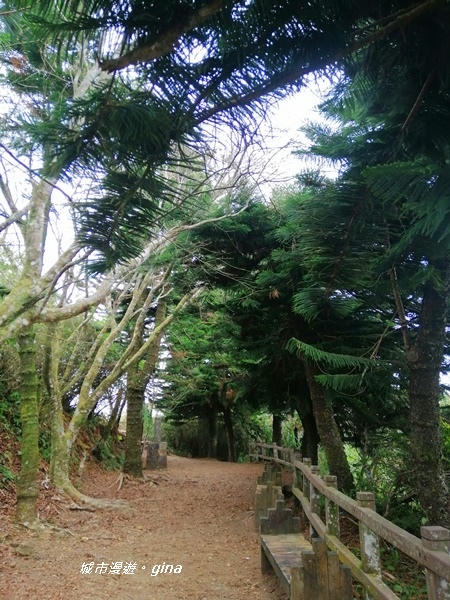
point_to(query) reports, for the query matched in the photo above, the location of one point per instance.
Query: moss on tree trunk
(138, 376)
(27, 491)
(135, 426)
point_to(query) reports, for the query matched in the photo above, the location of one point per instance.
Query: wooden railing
(283, 456)
(313, 493)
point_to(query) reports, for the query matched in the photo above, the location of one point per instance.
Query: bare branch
(35, 172)
(122, 368)
(14, 218)
(8, 196)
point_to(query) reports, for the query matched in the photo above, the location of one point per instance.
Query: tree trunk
(212, 429)
(277, 431)
(310, 439)
(135, 425)
(328, 431)
(112, 421)
(27, 491)
(424, 360)
(88, 396)
(137, 379)
(119, 414)
(228, 421)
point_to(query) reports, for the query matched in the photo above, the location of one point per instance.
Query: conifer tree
(388, 211)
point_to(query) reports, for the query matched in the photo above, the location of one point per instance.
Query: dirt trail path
(199, 516)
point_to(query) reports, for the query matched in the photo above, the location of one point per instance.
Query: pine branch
(292, 76)
(166, 41)
(419, 99)
(331, 359)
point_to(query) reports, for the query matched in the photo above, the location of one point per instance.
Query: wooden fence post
(320, 550)
(438, 539)
(292, 455)
(275, 451)
(307, 463)
(314, 499)
(298, 478)
(305, 490)
(331, 509)
(324, 578)
(370, 543)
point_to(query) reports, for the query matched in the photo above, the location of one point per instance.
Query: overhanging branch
(166, 41)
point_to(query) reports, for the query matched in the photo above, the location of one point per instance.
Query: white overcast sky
(290, 115)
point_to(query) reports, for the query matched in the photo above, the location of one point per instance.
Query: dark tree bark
(228, 421)
(211, 419)
(330, 436)
(310, 440)
(424, 358)
(277, 429)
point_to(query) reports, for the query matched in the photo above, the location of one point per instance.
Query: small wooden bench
(306, 571)
(281, 548)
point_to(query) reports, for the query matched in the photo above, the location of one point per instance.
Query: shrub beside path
(198, 514)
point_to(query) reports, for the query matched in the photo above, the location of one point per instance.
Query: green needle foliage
(173, 67)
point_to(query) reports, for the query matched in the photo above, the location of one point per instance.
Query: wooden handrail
(431, 552)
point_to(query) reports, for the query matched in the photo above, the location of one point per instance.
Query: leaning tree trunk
(27, 491)
(327, 428)
(61, 453)
(114, 418)
(89, 396)
(424, 358)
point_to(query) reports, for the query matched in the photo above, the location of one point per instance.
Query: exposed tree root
(156, 478)
(87, 501)
(86, 508)
(145, 480)
(35, 525)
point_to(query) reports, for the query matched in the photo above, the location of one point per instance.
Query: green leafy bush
(382, 466)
